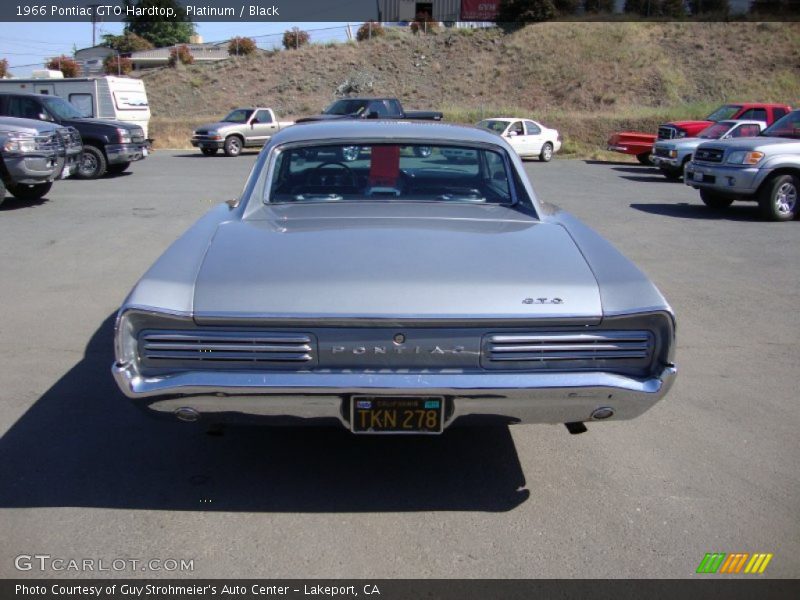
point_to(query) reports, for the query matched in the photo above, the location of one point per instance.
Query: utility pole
(93, 8)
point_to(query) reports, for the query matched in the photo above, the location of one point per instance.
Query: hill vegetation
(587, 79)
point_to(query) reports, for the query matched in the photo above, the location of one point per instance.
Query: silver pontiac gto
(398, 292)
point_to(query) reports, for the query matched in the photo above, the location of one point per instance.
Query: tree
(3, 68)
(68, 66)
(241, 46)
(772, 7)
(180, 54)
(160, 31)
(567, 7)
(599, 6)
(126, 43)
(294, 38)
(525, 11)
(672, 8)
(113, 64)
(369, 30)
(699, 7)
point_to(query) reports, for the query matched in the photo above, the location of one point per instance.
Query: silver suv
(763, 169)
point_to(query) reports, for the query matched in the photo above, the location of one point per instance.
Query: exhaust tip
(604, 412)
(187, 414)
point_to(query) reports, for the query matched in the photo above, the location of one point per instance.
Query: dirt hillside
(584, 78)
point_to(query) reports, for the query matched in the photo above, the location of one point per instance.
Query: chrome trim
(520, 397)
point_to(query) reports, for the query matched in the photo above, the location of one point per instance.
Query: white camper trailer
(115, 98)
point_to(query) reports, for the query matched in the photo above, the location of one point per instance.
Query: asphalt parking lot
(712, 468)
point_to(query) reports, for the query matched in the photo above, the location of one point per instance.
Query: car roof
(389, 130)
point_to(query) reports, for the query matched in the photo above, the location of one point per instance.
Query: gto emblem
(543, 301)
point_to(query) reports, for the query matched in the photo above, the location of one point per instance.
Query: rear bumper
(516, 397)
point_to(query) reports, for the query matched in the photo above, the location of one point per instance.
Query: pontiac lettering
(396, 350)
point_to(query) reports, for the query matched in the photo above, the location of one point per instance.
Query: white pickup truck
(241, 128)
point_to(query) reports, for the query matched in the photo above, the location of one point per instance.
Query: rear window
(724, 112)
(390, 173)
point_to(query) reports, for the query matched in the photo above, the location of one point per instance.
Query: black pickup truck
(108, 146)
(371, 108)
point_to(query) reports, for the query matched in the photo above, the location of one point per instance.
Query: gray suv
(33, 154)
(763, 169)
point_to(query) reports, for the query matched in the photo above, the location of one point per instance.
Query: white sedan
(529, 138)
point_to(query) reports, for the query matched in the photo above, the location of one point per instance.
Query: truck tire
(233, 145)
(778, 198)
(29, 192)
(546, 155)
(2, 191)
(714, 200)
(644, 158)
(92, 163)
(209, 151)
(118, 168)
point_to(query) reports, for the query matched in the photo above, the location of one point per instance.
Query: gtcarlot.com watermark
(46, 562)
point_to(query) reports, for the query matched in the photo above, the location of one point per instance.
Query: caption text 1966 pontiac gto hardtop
(395, 293)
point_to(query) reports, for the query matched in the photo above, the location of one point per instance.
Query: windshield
(389, 173)
(724, 112)
(61, 108)
(346, 107)
(240, 115)
(785, 127)
(715, 131)
(492, 125)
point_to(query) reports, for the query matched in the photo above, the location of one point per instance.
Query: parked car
(529, 138)
(763, 169)
(371, 108)
(672, 155)
(240, 128)
(33, 154)
(640, 144)
(392, 294)
(108, 146)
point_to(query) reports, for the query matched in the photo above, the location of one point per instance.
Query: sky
(26, 46)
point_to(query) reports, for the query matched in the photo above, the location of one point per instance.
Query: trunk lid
(394, 261)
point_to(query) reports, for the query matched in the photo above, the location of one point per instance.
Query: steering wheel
(317, 177)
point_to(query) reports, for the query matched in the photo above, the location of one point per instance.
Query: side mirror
(371, 114)
(511, 133)
(44, 117)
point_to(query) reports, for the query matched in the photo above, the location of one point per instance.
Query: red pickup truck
(641, 144)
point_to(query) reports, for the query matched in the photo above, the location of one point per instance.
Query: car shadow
(684, 210)
(621, 163)
(83, 444)
(648, 179)
(12, 203)
(638, 170)
(219, 154)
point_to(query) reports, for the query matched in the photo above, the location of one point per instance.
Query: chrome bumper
(517, 397)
